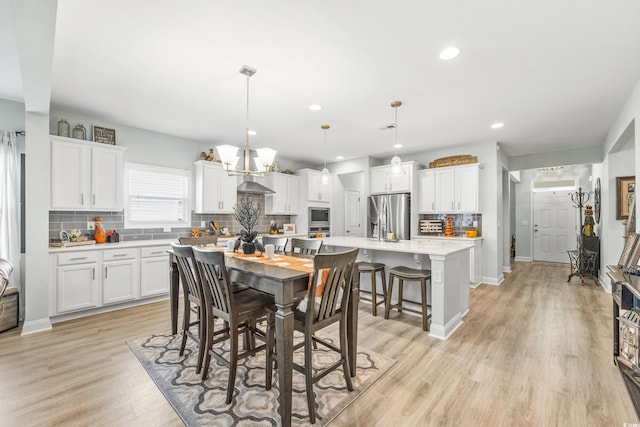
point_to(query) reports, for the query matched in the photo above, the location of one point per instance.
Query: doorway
(554, 225)
(352, 213)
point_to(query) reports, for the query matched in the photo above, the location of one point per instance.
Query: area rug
(202, 403)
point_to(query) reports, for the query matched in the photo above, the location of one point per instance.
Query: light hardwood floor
(535, 351)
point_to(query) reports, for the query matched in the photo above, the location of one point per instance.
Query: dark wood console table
(625, 291)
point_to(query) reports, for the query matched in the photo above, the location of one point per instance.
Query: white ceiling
(556, 73)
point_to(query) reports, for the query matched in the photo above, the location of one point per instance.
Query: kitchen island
(449, 264)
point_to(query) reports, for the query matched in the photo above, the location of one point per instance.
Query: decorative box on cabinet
(285, 199)
(215, 190)
(85, 175)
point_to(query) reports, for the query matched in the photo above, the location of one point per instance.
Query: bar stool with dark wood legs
(406, 273)
(372, 268)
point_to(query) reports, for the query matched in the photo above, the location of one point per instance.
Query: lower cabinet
(93, 278)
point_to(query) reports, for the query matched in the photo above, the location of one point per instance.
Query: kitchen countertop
(431, 247)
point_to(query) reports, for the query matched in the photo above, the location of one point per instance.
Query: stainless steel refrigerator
(389, 213)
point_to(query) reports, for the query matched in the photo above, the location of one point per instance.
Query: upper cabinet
(316, 190)
(85, 175)
(215, 190)
(285, 199)
(382, 180)
(449, 189)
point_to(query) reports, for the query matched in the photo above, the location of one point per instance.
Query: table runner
(284, 261)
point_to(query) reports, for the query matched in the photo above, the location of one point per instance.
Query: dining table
(284, 277)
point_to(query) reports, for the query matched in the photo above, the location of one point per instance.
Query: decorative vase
(98, 234)
(79, 132)
(64, 128)
(248, 248)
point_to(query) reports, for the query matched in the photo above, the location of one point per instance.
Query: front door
(352, 213)
(554, 226)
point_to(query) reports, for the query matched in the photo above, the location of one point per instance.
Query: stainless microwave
(319, 217)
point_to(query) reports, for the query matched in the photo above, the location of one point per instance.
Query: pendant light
(325, 172)
(396, 166)
(227, 153)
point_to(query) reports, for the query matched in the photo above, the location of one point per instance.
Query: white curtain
(9, 205)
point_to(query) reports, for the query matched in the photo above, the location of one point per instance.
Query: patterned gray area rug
(202, 403)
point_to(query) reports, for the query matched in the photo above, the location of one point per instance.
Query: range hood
(252, 187)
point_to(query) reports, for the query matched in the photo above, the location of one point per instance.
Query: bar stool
(406, 273)
(372, 268)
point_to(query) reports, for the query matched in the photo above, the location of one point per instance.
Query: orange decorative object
(195, 232)
(98, 234)
(448, 231)
(471, 233)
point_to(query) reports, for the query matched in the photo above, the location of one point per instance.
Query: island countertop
(426, 247)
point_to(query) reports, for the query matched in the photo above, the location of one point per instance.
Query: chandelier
(228, 153)
(325, 172)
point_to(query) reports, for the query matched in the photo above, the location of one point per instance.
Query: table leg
(284, 348)
(174, 292)
(352, 323)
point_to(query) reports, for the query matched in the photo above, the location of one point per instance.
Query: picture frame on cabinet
(104, 135)
(289, 228)
(629, 248)
(625, 195)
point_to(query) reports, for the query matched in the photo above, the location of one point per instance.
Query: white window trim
(186, 222)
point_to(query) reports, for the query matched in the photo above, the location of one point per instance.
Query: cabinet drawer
(77, 257)
(117, 254)
(154, 251)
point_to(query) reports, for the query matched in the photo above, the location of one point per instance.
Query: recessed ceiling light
(449, 53)
(497, 125)
(339, 157)
(252, 132)
(397, 145)
(315, 107)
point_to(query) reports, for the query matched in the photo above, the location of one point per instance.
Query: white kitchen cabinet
(382, 180)
(85, 175)
(317, 191)
(154, 271)
(215, 190)
(427, 191)
(285, 199)
(119, 275)
(77, 281)
(457, 189)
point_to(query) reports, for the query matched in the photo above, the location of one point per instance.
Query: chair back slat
(279, 243)
(306, 246)
(184, 259)
(204, 240)
(216, 285)
(337, 285)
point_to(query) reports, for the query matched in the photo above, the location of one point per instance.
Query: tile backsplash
(460, 223)
(69, 220)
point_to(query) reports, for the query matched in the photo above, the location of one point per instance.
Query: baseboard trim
(506, 269)
(522, 259)
(106, 309)
(34, 326)
(444, 332)
(496, 281)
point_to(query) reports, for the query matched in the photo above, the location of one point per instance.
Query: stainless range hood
(251, 187)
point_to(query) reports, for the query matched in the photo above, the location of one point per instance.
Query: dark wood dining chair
(335, 273)
(203, 240)
(193, 300)
(240, 312)
(306, 246)
(279, 243)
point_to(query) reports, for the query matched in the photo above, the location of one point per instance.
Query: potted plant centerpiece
(247, 213)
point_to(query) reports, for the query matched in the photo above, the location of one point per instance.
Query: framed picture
(289, 228)
(625, 195)
(104, 135)
(64, 236)
(629, 249)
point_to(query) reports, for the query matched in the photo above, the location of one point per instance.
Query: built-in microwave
(319, 217)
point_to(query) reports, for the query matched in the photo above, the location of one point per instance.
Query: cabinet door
(401, 182)
(119, 281)
(445, 190)
(106, 179)
(76, 287)
(378, 180)
(467, 189)
(210, 186)
(427, 191)
(154, 276)
(317, 191)
(292, 185)
(228, 191)
(69, 179)
(280, 199)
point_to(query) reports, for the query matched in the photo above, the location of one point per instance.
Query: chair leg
(202, 334)
(209, 344)
(185, 324)
(233, 365)
(308, 373)
(400, 286)
(387, 303)
(383, 279)
(374, 294)
(423, 288)
(269, 350)
(343, 353)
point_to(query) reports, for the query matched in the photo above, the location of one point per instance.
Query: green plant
(247, 213)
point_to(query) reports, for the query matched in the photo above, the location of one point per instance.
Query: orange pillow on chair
(302, 306)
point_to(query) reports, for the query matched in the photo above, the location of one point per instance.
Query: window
(156, 197)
